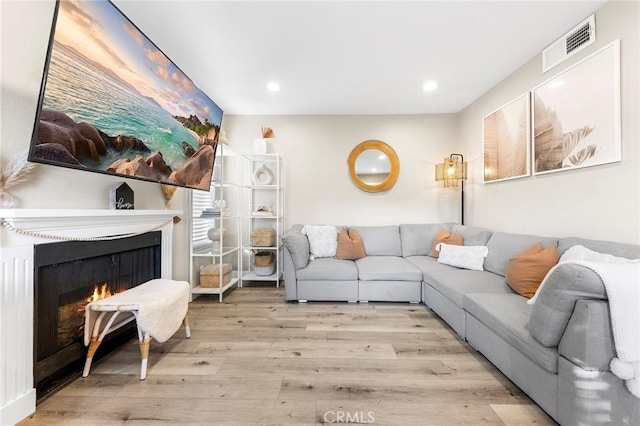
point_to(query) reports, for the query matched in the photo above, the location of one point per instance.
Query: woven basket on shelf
(210, 275)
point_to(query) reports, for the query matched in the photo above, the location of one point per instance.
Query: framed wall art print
(576, 115)
(507, 141)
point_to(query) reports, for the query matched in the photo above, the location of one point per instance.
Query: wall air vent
(581, 36)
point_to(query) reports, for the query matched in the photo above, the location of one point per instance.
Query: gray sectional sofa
(557, 351)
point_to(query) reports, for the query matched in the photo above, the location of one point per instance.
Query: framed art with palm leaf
(576, 115)
(507, 141)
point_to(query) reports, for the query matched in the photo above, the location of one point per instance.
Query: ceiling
(351, 57)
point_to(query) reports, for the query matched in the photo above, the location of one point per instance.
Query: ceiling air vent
(581, 36)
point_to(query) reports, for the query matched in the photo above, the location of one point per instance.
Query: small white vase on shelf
(263, 176)
(217, 234)
(259, 146)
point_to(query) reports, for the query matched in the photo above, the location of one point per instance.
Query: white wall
(600, 202)
(315, 150)
(24, 37)
(318, 188)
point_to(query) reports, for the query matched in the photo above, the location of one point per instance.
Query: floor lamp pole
(462, 204)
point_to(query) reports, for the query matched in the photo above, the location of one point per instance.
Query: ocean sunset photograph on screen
(112, 102)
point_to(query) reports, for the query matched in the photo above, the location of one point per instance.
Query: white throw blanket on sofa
(622, 283)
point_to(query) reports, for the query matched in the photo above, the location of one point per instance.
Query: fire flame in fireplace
(99, 292)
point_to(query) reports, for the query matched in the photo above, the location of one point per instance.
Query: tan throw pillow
(526, 270)
(446, 237)
(350, 245)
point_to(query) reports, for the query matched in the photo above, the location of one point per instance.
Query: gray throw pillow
(298, 245)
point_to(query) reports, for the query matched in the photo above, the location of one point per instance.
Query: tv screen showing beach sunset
(112, 102)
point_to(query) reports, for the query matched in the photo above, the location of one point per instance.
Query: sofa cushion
(323, 240)
(416, 239)
(298, 245)
(526, 270)
(557, 298)
(454, 283)
(630, 251)
(381, 240)
(503, 247)
(387, 268)
(473, 235)
(467, 257)
(507, 315)
(588, 340)
(350, 245)
(446, 237)
(327, 268)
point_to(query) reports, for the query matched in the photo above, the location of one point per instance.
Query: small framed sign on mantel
(121, 197)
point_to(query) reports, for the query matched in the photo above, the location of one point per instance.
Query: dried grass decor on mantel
(17, 171)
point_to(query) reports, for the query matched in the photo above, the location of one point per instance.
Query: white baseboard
(18, 409)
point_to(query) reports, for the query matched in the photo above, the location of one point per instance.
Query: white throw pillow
(581, 253)
(467, 257)
(323, 240)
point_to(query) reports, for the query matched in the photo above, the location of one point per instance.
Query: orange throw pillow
(526, 270)
(446, 237)
(350, 245)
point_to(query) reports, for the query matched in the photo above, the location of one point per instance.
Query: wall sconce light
(453, 172)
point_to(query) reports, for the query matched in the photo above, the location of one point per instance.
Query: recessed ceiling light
(273, 87)
(430, 86)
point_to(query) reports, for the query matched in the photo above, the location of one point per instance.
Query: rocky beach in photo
(61, 140)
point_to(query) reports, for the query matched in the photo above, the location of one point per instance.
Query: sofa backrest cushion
(381, 240)
(473, 235)
(418, 238)
(557, 298)
(298, 245)
(628, 251)
(503, 246)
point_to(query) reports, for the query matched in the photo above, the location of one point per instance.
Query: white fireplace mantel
(23, 229)
(85, 223)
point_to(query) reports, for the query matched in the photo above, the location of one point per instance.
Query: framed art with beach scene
(112, 102)
(576, 115)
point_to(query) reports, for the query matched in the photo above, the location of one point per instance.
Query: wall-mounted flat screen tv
(112, 102)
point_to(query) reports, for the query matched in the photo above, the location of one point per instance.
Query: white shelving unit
(225, 185)
(259, 195)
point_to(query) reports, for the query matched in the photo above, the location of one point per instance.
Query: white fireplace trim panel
(17, 390)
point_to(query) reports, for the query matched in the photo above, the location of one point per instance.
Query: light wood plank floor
(256, 359)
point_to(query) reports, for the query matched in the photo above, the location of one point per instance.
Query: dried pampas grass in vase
(15, 172)
(267, 133)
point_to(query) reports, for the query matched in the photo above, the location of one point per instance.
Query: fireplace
(24, 228)
(65, 276)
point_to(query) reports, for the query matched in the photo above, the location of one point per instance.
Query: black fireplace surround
(65, 275)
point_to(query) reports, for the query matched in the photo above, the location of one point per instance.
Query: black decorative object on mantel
(121, 197)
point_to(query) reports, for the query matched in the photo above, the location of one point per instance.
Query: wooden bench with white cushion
(159, 307)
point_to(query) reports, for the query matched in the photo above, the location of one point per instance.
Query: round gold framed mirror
(374, 166)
